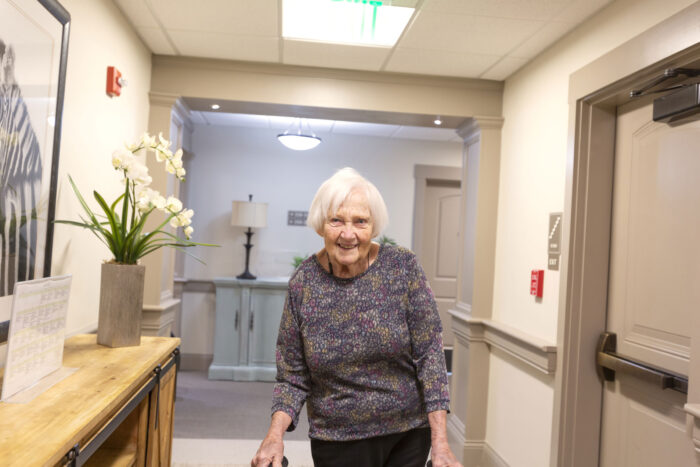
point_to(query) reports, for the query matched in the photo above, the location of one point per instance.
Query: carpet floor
(221, 423)
(225, 409)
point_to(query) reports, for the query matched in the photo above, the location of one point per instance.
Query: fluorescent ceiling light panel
(358, 22)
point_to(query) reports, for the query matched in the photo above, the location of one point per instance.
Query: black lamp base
(246, 274)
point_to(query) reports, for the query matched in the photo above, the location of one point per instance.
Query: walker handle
(285, 462)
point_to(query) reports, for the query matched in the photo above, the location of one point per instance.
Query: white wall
(229, 163)
(532, 184)
(93, 127)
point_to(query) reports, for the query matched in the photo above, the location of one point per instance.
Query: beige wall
(93, 127)
(532, 183)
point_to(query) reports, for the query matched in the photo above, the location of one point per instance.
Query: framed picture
(33, 54)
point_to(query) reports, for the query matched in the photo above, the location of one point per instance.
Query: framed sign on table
(33, 54)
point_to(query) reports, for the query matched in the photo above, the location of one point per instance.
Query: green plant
(121, 227)
(296, 262)
(384, 240)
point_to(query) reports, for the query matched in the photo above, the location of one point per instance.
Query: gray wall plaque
(554, 241)
(297, 217)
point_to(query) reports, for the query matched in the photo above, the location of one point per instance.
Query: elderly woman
(360, 342)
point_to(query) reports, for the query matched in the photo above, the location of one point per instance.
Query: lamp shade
(249, 214)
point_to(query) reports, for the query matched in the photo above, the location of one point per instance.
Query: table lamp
(251, 215)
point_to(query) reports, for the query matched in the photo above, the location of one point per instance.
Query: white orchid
(137, 173)
(123, 233)
(173, 205)
(182, 219)
(148, 141)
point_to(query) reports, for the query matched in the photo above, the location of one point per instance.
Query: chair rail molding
(531, 350)
(693, 428)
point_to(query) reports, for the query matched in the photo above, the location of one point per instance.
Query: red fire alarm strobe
(536, 282)
(114, 82)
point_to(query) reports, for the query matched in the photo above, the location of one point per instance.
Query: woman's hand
(270, 452)
(440, 452)
(441, 455)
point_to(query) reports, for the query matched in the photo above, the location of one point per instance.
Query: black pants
(408, 449)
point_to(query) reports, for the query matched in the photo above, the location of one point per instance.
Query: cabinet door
(265, 315)
(227, 334)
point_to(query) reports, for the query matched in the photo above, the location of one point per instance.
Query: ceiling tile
(367, 129)
(521, 9)
(253, 17)
(580, 10)
(226, 46)
(137, 12)
(438, 62)
(156, 40)
(504, 68)
(432, 134)
(309, 53)
(467, 34)
(545, 37)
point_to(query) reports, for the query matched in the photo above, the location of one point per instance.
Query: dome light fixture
(215, 106)
(299, 141)
(437, 121)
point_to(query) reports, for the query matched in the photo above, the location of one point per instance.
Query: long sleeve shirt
(364, 353)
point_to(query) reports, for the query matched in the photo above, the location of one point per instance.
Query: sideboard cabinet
(115, 409)
(248, 314)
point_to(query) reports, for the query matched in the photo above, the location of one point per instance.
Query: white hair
(334, 191)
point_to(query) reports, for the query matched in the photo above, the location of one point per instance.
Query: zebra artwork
(20, 180)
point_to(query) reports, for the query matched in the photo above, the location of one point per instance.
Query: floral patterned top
(365, 353)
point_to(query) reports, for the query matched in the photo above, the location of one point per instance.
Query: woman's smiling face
(347, 233)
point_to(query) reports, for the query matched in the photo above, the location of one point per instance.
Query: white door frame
(423, 173)
(595, 91)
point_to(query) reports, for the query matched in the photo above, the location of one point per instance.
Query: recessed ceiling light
(359, 22)
(438, 121)
(215, 106)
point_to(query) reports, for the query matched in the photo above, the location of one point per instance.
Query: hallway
(221, 423)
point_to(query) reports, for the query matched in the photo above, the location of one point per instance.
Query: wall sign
(297, 217)
(554, 241)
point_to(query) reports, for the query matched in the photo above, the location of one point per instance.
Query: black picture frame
(26, 224)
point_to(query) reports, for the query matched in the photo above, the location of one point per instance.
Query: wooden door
(440, 246)
(654, 286)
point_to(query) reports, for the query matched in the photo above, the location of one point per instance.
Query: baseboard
(455, 436)
(195, 361)
(481, 454)
(492, 458)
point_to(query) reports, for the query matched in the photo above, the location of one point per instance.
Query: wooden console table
(116, 409)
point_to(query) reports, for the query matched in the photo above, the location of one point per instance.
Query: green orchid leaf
(114, 225)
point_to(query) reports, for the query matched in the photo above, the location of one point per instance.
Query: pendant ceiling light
(298, 140)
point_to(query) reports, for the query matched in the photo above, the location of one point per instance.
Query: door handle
(235, 322)
(608, 362)
(252, 318)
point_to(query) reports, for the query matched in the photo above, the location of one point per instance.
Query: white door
(440, 246)
(654, 286)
